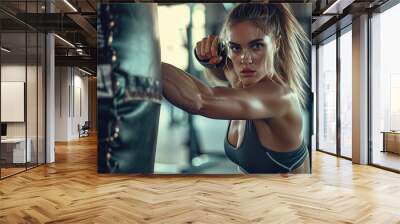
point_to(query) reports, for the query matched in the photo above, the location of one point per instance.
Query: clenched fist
(207, 50)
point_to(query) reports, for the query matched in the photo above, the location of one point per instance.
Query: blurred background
(189, 143)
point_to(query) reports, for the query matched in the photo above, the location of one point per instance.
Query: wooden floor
(387, 159)
(13, 170)
(10, 171)
(71, 191)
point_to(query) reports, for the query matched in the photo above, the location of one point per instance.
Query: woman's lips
(247, 72)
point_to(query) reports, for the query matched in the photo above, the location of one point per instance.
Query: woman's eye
(257, 46)
(235, 49)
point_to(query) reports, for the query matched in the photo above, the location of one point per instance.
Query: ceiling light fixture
(86, 72)
(65, 41)
(5, 50)
(70, 5)
(328, 10)
(337, 7)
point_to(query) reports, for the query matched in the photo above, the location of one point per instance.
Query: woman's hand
(207, 49)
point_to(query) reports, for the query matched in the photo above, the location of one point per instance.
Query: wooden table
(391, 141)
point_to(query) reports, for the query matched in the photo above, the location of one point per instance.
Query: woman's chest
(236, 132)
(260, 129)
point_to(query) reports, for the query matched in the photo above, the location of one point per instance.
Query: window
(346, 94)
(172, 44)
(385, 88)
(327, 96)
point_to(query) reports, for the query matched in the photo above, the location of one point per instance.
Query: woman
(265, 68)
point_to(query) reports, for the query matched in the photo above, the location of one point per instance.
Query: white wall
(70, 83)
(13, 73)
(80, 100)
(61, 103)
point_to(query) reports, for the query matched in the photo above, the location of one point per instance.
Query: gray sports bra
(253, 157)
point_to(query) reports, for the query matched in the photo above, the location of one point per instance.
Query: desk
(391, 141)
(13, 150)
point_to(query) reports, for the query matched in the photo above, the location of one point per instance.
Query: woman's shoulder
(272, 87)
(279, 93)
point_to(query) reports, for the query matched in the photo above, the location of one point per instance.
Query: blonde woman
(265, 66)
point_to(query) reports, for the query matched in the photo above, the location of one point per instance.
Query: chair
(84, 130)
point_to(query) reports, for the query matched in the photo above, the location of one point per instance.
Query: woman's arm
(263, 100)
(182, 89)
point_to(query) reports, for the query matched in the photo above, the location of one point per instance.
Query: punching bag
(129, 88)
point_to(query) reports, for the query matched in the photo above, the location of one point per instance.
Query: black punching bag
(129, 88)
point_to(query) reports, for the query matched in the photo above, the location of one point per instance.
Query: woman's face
(251, 52)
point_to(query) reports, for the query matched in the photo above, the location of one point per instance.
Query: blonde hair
(290, 60)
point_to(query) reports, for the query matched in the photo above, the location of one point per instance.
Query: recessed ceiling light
(86, 72)
(64, 40)
(5, 50)
(70, 5)
(337, 7)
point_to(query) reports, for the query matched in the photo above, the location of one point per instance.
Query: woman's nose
(246, 57)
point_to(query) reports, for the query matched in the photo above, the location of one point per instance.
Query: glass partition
(13, 105)
(31, 98)
(22, 88)
(41, 109)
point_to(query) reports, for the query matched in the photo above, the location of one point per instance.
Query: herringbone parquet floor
(71, 191)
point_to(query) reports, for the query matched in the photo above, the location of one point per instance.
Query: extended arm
(257, 102)
(182, 89)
